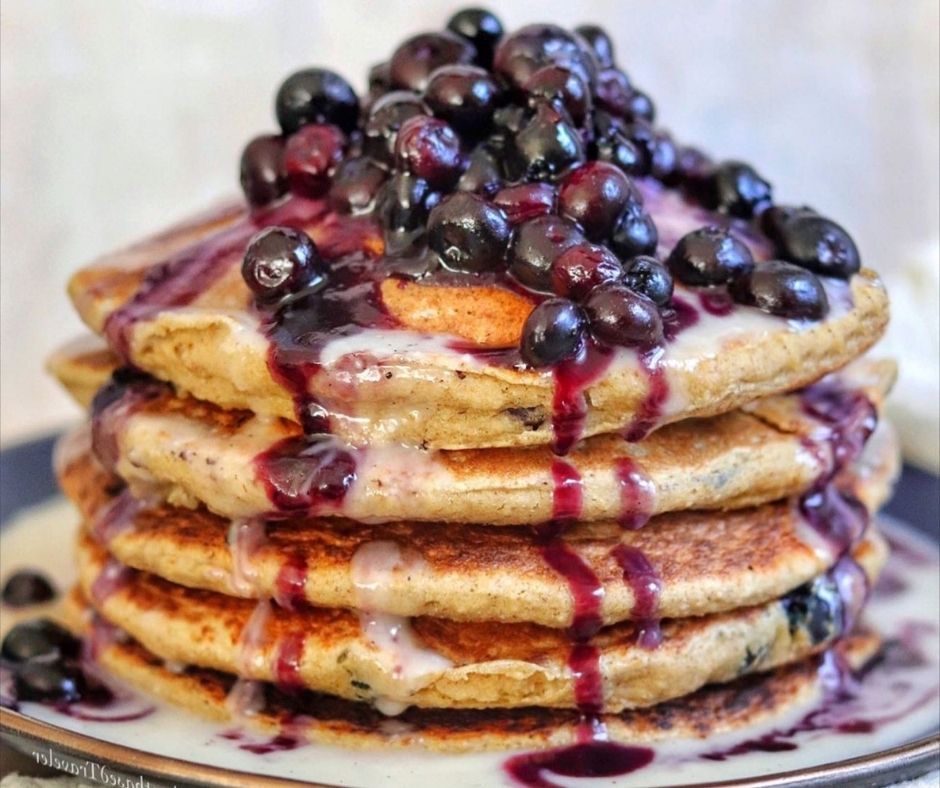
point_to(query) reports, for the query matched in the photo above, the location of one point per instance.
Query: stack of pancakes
(433, 570)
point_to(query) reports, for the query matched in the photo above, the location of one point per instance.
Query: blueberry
(280, 261)
(775, 217)
(405, 203)
(429, 149)
(644, 138)
(618, 316)
(816, 607)
(582, 268)
(316, 95)
(468, 233)
(27, 588)
(693, 164)
(649, 277)
(483, 174)
(526, 201)
(356, 184)
(507, 123)
(735, 188)
(616, 149)
(530, 48)
(535, 246)
(48, 681)
(385, 119)
(557, 83)
(548, 145)
(39, 639)
(594, 196)
(416, 58)
(553, 331)
(261, 171)
(380, 80)
(782, 289)
(465, 97)
(613, 91)
(634, 232)
(664, 158)
(709, 256)
(600, 43)
(639, 106)
(820, 245)
(311, 156)
(480, 28)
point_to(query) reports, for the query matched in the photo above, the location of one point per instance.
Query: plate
(172, 747)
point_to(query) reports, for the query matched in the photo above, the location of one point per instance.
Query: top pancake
(432, 376)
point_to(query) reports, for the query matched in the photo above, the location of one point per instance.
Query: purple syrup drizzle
(586, 589)
(290, 585)
(650, 409)
(645, 583)
(637, 494)
(112, 578)
(116, 517)
(569, 408)
(115, 403)
(716, 302)
(290, 651)
(586, 760)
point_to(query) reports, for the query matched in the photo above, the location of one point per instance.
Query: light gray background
(119, 116)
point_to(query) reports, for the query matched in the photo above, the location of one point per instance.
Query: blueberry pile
(481, 152)
(45, 660)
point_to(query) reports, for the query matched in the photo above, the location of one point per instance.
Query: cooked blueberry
(310, 157)
(815, 607)
(48, 681)
(405, 203)
(553, 332)
(634, 232)
(649, 277)
(380, 80)
(356, 185)
(316, 95)
(582, 268)
(664, 160)
(820, 245)
(535, 246)
(261, 171)
(280, 261)
(595, 195)
(480, 28)
(693, 164)
(429, 149)
(775, 217)
(39, 639)
(526, 201)
(781, 289)
(600, 44)
(618, 316)
(737, 189)
(483, 174)
(548, 145)
(616, 149)
(416, 58)
(468, 233)
(557, 83)
(613, 91)
(709, 256)
(640, 107)
(385, 119)
(643, 136)
(27, 587)
(521, 54)
(465, 97)
(507, 122)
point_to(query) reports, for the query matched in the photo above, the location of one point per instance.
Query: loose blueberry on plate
(736, 188)
(414, 61)
(310, 157)
(553, 332)
(385, 119)
(464, 97)
(468, 233)
(48, 681)
(557, 83)
(781, 289)
(582, 268)
(634, 232)
(38, 639)
(483, 174)
(261, 170)
(536, 244)
(521, 54)
(480, 28)
(618, 316)
(280, 261)
(356, 185)
(316, 95)
(27, 587)
(600, 43)
(709, 256)
(595, 195)
(526, 201)
(649, 277)
(548, 145)
(429, 149)
(820, 245)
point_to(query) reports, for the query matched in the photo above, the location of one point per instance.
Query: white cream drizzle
(245, 537)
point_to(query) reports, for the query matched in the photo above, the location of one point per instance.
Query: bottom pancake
(746, 702)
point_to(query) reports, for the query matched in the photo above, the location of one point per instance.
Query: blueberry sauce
(290, 586)
(567, 498)
(650, 409)
(646, 585)
(571, 378)
(586, 589)
(113, 577)
(290, 650)
(281, 742)
(116, 517)
(115, 403)
(637, 494)
(716, 302)
(586, 760)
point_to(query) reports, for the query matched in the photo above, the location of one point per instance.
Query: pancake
(437, 663)
(706, 562)
(189, 452)
(440, 370)
(741, 704)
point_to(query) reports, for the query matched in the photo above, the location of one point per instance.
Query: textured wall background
(120, 116)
